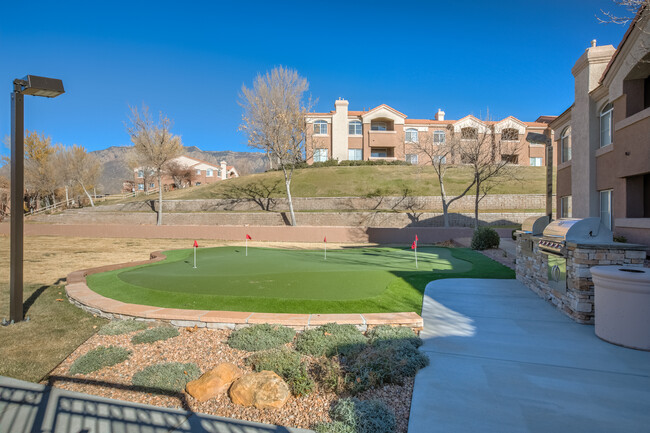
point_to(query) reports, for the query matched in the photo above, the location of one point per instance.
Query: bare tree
(181, 174)
(274, 120)
(632, 7)
(5, 197)
(441, 150)
(83, 169)
(40, 177)
(154, 144)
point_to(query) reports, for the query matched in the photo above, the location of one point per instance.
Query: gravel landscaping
(207, 348)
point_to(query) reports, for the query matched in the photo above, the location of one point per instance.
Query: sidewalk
(503, 360)
(30, 407)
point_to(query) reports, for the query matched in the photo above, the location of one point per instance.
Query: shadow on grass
(29, 302)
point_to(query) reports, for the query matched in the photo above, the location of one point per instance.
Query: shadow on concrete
(28, 407)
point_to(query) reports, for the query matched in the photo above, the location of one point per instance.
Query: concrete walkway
(503, 360)
(27, 407)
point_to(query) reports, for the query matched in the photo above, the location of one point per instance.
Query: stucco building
(603, 139)
(191, 172)
(383, 133)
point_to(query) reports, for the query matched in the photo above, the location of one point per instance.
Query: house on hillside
(604, 136)
(383, 133)
(181, 172)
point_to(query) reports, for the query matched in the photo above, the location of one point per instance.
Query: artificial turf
(354, 280)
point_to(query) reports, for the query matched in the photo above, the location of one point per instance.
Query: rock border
(83, 297)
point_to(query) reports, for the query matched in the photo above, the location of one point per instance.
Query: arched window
(510, 134)
(606, 125)
(411, 135)
(565, 144)
(320, 127)
(354, 127)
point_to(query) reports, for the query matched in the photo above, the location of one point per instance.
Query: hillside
(115, 169)
(360, 182)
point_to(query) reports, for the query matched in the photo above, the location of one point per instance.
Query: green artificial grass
(354, 280)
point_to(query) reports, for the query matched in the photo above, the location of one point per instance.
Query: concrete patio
(503, 360)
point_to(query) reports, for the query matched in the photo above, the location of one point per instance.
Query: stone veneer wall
(578, 301)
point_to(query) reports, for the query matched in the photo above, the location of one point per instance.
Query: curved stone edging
(82, 296)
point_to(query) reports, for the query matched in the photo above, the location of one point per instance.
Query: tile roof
(636, 19)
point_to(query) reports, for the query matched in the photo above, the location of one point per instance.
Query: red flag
(413, 245)
(249, 237)
(416, 238)
(196, 244)
(325, 239)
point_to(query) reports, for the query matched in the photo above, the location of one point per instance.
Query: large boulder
(264, 390)
(214, 382)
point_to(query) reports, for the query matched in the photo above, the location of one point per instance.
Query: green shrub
(327, 373)
(288, 365)
(99, 358)
(261, 337)
(166, 378)
(386, 333)
(514, 234)
(351, 415)
(118, 327)
(485, 238)
(388, 361)
(620, 238)
(158, 333)
(331, 339)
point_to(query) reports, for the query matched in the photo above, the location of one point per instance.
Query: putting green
(287, 281)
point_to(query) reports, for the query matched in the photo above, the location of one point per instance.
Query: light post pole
(37, 86)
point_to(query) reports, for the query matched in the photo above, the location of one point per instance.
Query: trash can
(622, 305)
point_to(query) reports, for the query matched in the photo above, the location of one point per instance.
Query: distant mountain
(116, 170)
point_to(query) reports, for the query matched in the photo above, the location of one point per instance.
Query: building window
(565, 207)
(565, 145)
(320, 155)
(320, 127)
(197, 183)
(438, 137)
(141, 187)
(354, 128)
(152, 185)
(536, 162)
(355, 154)
(378, 153)
(606, 208)
(198, 172)
(140, 174)
(440, 159)
(469, 133)
(606, 125)
(378, 126)
(511, 159)
(208, 172)
(412, 158)
(510, 134)
(411, 135)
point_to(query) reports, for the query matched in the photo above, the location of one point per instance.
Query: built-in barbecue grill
(555, 237)
(534, 225)
(581, 231)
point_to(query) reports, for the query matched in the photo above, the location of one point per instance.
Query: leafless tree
(274, 120)
(5, 197)
(181, 174)
(631, 7)
(441, 151)
(154, 144)
(40, 176)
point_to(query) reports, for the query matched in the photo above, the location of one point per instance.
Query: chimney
(224, 174)
(440, 115)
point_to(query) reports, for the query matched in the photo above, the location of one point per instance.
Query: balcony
(382, 138)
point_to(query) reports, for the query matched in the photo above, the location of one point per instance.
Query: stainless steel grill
(583, 231)
(534, 225)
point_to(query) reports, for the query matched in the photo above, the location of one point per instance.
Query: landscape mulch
(207, 348)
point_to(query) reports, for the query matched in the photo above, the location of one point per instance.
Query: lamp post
(37, 86)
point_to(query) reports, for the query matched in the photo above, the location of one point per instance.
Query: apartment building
(383, 133)
(189, 172)
(604, 136)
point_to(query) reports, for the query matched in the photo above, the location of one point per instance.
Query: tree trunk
(287, 183)
(476, 200)
(88, 194)
(445, 213)
(67, 201)
(159, 199)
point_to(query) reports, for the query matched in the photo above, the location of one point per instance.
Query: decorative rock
(264, 390)
(213, 382)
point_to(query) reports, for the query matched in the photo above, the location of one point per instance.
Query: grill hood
(579, 230)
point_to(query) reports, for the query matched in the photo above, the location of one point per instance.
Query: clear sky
(190, 59)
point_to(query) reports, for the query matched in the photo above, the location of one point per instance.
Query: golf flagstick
(247, 238)
(325, 242)
(196, 244)
(414, 246)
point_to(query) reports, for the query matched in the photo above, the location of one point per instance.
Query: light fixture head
(42, 86)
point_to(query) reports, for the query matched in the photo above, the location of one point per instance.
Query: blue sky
(190, 59)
